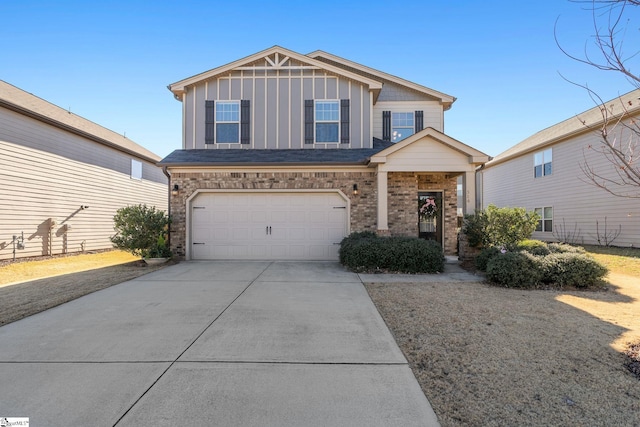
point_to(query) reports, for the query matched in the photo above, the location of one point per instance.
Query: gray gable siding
(277, 103)
(395, 92)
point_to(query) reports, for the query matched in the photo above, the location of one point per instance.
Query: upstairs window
(397, 126)
(227, 121)
(327, 117)
(545, 223)
(542, 163)
(402, 126)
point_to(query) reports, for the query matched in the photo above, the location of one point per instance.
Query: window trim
(219, 121)
(542, 164)
(136, 169)
(542, 222)
(411, 127)
(316, 121)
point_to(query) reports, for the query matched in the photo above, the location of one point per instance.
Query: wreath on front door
(428, 208)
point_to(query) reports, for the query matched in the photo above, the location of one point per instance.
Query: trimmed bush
(572, 269)
(366, 253)
(562, 248)
(485, 255)
(515, 270)
(534, 247)
(353, 239)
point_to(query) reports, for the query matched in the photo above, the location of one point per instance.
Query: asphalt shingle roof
(27, 103)
(252, 157)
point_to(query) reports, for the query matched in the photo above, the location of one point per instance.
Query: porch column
(469, 192)
(383, 225)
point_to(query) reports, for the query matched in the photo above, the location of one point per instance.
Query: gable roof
(445, 100)
(588, 121)
(30, 105)
(179, 87)
(475, 156)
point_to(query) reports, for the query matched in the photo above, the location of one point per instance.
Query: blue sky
(111, 61)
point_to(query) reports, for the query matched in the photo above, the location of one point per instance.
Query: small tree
(141, 230)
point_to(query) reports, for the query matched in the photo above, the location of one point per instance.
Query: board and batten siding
(277, 107)
(577, 205)
(48, 174)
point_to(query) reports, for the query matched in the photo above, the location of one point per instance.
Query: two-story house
(284, 154)
(549, 173)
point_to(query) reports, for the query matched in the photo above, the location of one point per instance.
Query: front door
(430, 215)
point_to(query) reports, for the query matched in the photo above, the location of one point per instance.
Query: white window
(542, 163)
(545, 223)
(136, 169)
(327, 121)
(402, 126)
(227, 121)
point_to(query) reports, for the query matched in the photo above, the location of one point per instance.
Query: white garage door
(267, 226)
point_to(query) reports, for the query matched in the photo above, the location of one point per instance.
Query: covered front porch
(417, 186)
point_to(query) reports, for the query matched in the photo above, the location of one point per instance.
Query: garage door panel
(268, 225)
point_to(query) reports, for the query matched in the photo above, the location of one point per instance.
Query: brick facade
(403, 191)
(363, 205)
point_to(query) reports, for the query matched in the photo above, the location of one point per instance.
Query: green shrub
(485, 255)
(515, 270)
(352, 239)
(572, 269)
(534, 247)
(509, 226)
(140, 230)
(499, 227)
(474, 226)
(562, 248)
(397, 254)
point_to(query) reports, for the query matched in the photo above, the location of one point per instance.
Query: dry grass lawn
(488, 356)
(29, 287)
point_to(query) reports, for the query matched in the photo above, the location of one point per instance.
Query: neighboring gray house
(545, 173)
(63, 178)
(284, 154)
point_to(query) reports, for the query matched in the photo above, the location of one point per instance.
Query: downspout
(479, 187)
(168, 175)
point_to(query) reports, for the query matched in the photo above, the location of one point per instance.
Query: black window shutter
(344, 121)
(308, 121)
(245, 121)
(386, 125)
(419, 121)
(210, 122)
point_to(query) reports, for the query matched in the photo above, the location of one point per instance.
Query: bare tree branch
(619, 129)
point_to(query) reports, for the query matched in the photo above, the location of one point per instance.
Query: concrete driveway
(213, 344)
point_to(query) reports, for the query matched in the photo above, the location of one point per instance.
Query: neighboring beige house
(63, 178)
(545, 173)
(284, 154)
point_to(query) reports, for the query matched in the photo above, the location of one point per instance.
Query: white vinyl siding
(577, 205)
(49, 173)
